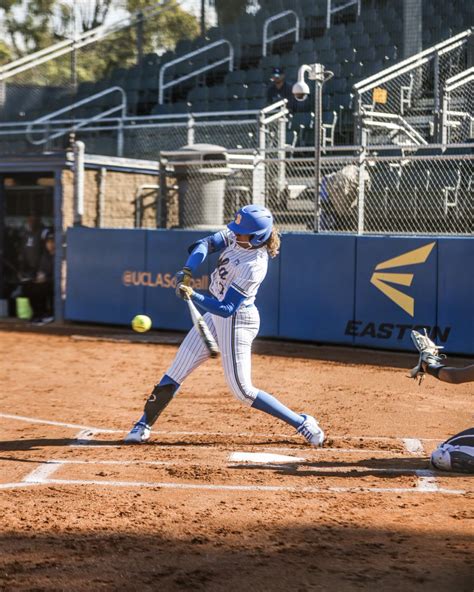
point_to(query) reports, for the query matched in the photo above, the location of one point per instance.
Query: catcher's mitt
(429, 354)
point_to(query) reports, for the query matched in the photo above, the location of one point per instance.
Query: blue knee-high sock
(269, 404)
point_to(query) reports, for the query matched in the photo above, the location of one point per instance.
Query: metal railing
(399, 130)
(49, 123)
(458, 108)
(330, 10)
(412, 89)
(146, 136)
(228, 59)
(277, 17)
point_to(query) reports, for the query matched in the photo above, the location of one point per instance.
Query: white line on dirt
(83, 437)
(62, 461)
(265, 488)
(427, 481)
(16, 485)
(264, 458)
(59, 423)
(97, 430)
(328, 449)
(323, 470)
(413, 445)
(41, 473)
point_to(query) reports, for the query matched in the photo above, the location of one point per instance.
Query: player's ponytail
(273, 243)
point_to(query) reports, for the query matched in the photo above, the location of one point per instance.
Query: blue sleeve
(200, 250)
(223, 308)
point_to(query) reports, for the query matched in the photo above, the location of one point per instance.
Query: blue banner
(369, 291)
(317, 287)
(455, 294)
(96, 261)
(166, 253)
(396, 285)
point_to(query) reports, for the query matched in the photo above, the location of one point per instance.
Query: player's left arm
(198, 251)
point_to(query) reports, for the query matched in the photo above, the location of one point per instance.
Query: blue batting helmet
(254, 220)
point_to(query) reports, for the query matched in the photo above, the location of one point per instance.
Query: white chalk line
(17, 485)
(66, 461)
(426, 479)
(84, 436)
(347, 469)
(413, 445)
(263, 460)
(41, 473)
(249, 488)
(58, 423)
(42, 476)
(97, 430)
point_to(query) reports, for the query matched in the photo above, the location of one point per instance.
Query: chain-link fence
(402, 104)
(458, 108)
(362, 190)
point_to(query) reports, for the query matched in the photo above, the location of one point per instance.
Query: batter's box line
(411, 444)
(43, 473)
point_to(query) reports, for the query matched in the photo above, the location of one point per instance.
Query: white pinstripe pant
(234, 336)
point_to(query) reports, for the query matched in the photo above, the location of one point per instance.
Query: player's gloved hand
(183, 277)
(184, 292)
(429, 354)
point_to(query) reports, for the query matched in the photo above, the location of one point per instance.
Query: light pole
(301, 91)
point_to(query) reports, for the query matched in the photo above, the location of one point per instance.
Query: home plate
(264, 458)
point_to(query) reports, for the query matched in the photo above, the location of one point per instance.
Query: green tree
(163, 29)
(5, 53)
(31, 33)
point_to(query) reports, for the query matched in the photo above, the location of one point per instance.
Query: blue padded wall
(317, 287)
(405, 273)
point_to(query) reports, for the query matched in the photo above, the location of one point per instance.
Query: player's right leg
(236, 335)
(191, 354)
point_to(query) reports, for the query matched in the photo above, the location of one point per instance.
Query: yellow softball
(141, 323)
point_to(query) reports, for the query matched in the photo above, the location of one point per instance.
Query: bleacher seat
(352, 49)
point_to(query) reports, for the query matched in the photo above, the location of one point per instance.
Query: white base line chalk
(17, 485)
(223, 434)
(427, 482)
(41, 473)
(59, 423)
(413, 445)
(265, 488)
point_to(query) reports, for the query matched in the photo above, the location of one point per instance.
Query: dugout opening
(27, 244)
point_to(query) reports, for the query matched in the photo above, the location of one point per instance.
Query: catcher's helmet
(255, 220)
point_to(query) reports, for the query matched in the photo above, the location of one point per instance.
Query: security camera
(300, 90)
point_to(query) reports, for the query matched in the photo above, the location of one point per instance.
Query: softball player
(233, 319)
(457, 453)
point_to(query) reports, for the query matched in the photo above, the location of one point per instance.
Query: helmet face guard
(254, 220)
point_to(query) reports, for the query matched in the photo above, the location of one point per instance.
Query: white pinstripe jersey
(243, 269)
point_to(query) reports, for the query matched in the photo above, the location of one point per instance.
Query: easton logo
(382, 280)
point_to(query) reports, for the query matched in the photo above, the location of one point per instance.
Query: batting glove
(183, 277)
(184, 292)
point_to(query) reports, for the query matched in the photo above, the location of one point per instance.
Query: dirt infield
(224, 497)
